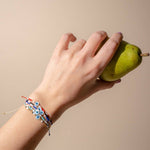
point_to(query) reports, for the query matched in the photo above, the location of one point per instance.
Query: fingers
(64, 41)
(93, 42)
(78, 45)
(105, 54)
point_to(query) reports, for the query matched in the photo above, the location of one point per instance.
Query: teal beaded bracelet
(38, 111)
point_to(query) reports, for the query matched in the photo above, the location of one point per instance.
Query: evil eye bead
(36, 103)
(36, 112)
(39, 108)
(37, 117)
(41, 112)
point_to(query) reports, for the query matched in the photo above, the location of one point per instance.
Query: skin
(75, 68)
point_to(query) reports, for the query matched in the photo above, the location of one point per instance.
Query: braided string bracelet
(38, 111)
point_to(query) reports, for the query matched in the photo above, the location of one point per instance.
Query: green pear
(126, 58)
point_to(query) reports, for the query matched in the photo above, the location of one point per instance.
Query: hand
(72, 72)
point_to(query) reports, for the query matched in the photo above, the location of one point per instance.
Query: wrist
(49, 102)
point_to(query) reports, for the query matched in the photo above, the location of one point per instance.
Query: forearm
(61, 87)
(23, 131)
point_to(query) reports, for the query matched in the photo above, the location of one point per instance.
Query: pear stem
(145, 54)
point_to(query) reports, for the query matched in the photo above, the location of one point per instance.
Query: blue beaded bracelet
(38, 111)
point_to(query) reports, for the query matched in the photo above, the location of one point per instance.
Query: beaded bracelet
(38, 111)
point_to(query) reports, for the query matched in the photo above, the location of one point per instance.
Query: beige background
(115, 119)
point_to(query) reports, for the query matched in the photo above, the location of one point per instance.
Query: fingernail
(120, 33)
(102, 32)
(118, 81)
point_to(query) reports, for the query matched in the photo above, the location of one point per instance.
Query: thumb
(101, 84)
